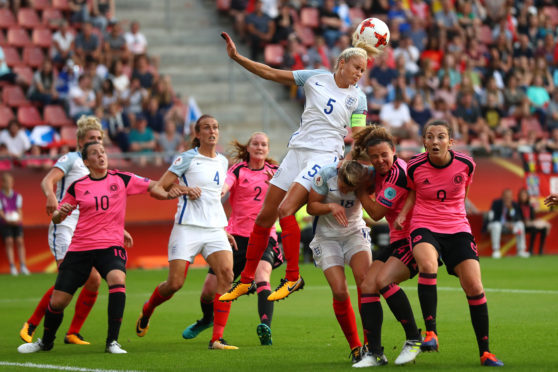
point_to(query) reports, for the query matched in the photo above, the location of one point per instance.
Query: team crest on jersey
(458, 179)
(177, 161)
(319, 181)
(113, 187)
(350, 102)
(390, 193)
(317, 251)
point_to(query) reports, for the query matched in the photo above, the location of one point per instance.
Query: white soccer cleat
(24, 270)
(31, 347)
(411, 348)
(371, 360)
(13, 270)
(524, 254)
(496, 254)
(115, 348)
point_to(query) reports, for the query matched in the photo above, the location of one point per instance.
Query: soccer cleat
(370, 359)
(264, 333)
(27, 331)
(430, 342)
(238, 289)
(195, 329)
(115, 348)
(496, 254)
(33, 347)
(24, 270)
(76, 339)
(411, 348)
(523, 254)
(356, 354)
(490, 360)
(142, 325)
(286, 288)
(13, 270)
(221, 344)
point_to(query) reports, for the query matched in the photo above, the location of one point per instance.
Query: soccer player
(247, 181)
(199, 227)
(67, 169)
(333, 103)
(395, 264)
(341, 237)
(438, 180)
(98, 242)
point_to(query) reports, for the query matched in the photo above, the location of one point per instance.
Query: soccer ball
(372, 34)
(12, 216)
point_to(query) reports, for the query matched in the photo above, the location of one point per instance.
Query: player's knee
(472, 288)
(340, 294)
(383, 281)
(225, 274)
(428, 267)
(94, 281)
(174, 285)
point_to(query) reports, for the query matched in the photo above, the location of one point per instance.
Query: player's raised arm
(260, 69)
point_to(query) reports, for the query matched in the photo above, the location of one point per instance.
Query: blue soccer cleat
(490, 360)
(264, 333)
(195, 329)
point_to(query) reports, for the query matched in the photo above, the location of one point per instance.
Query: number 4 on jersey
(216, 178)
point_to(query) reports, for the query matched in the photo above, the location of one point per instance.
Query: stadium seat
(7, 18)
(531, 124)
(12, 56)
(28, 18)
(273, 54)
(552, 12)
(33, 56)
(508, 122)
(223, 5)
(408, 148)
(56, 116)
(29, 116)
(68, 135)
(61, 5)
(6, 114)
(18, 37)
(42, 37)
(24, 72)
(306, 35)
(356, 15)
(2, 39)
(40, 4)
(310, 17)
(485, 35)
(13, 96)
(52, 17)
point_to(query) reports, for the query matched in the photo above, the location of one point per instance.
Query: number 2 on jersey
(329, 106)
(258, 191)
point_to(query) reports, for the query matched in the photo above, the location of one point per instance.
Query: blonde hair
(87, 123)
(370, 50)
(348, 53)
(351, 173)
(368, 137)
(240, 151)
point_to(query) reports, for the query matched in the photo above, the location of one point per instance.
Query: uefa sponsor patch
(63, 158)
(178, 161)
(390, 193)
(318, 180)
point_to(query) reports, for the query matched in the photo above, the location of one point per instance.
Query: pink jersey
(102, 206)
(248, 188)
(440, 191)
(391, 192)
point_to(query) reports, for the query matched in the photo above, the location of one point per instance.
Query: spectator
(513, 96)
(449, 68)
(395, 116)
(533, 225)
(238, 13)
(12, 223)
(16, 140)
(330, 22)
(141, 139)
(399, 17)
(80, 11)
(470, 120)
(419, 113)
(6, 74)
(410, 54)
(381, 73)
(539, 98)
(135, 40)
(552, 112)
(260, 29)
(170, 142)
(418, 34)
(114, 46)
(120, 80)
(62, 44)
(87, 44)
(107, 95)
(143, 73)
(376, 100)
(524, 48)
(81, 98)
(446, 20)
(505, 217)
(135, 97)
(318, 55)
(43, 88)
(116, 125)
(284, 24)
(163, 92)
(294, 57)
(446, 92)
(154, 116)
(102, 11)
(36, 161)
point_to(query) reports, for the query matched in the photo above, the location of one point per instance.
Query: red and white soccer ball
(371, 33)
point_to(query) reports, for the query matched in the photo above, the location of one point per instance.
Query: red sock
(221, 312)
(84, 304)
(364, 337)
(155, 300)
(290, 236)
(41, 308)
(256, 248)
(346, 318)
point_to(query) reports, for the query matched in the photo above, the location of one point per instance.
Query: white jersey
(209, 174)
(325, 183)
(72, 166)
(327, 112)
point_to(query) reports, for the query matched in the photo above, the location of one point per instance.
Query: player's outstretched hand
(66, 209)
(128, 240)
(551, 200)
(339, 213)
(176, 190)
(51, 205)
(399, 222)
(231, 47)
(193, 193)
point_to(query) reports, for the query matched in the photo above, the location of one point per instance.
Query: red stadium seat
(7, 18)
(273, 54)
(508, 122)
(485, 35)
(18, 37)
(33, 56)
(2, 38)
(552, 12)
(42, 37)
(56, 116)
(68, 134)
(28, 18)
(52, 17)
(13, 96)
(306, 35)
(223, 5)
(40, 4)
(531, 124)
(6, 114)
(29, 116)
(310, 17)
(12, 56)
(61, 5)
(25, 73)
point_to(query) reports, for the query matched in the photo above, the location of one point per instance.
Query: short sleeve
(300, 76)
(182, 162)
(68, 198)
(66, 162)
(319, 183)
(410, 182)
(231, 178)
(137, 185)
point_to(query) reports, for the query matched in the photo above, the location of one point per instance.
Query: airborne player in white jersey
(333, 103)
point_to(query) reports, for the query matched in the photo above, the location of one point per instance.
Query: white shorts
(329, 252)
(186, 241)
(59, 239)
(300, 166)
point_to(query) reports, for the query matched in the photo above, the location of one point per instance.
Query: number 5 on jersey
(329, 106)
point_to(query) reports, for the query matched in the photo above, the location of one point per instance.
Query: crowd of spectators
(90, 66)
(488, 67)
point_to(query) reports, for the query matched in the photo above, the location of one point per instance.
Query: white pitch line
(60, 368)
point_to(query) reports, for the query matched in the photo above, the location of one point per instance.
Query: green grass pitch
(522, 300)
